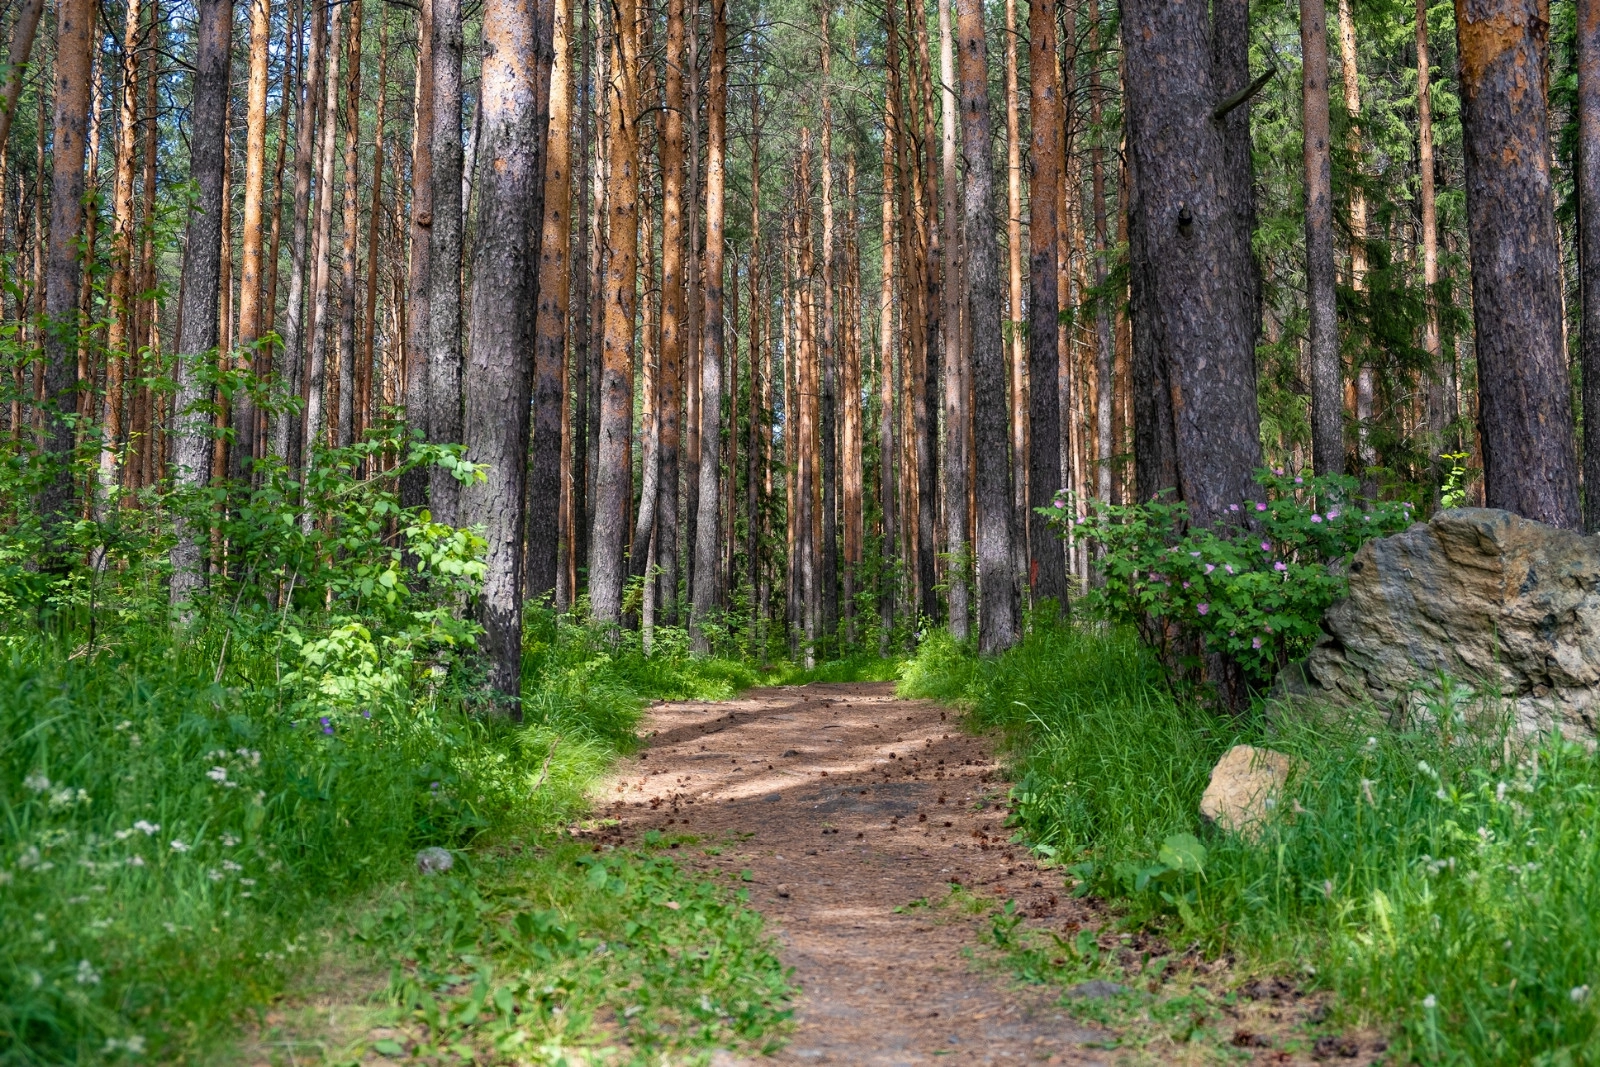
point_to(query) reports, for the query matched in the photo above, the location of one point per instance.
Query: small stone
(434, 860)
(1244, 788)
(783, 891)
(790, 752)
(772, 798)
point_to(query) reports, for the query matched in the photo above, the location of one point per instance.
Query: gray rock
(434, 860)
(1504, 605)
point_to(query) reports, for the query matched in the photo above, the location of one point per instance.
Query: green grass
(179, 831)
(1443, 880)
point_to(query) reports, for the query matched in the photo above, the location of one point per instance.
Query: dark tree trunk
(1327, 375)
(1191, 261)
(202, 275)
(1230, 73)
(286, 433)
(63, 271)
(514, 95)
(444, 257)
(414, 483)
(1588, 182)
(1047, 570)
(673, 313)
(1525, 413)
(991, 417)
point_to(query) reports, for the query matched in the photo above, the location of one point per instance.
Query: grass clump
(1443, 879)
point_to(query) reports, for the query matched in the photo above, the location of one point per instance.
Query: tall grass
(1443, 879)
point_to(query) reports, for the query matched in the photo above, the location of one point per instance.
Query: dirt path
(852, 804)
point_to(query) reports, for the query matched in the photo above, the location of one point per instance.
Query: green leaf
(1183, 852)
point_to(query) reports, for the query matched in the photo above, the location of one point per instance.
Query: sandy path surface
(844, 804)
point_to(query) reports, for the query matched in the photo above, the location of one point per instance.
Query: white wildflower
(179, 846)
(215, 875)
(229, 865)
(149, 829)
(247, 881)
(135, 861)
(36, 782)
(87, 975)
(1579, 994)
(228, 840)
(1441, 794)
(1430, 1002)
(218, 774)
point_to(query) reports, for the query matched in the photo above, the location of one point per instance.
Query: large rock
(1507, 606)
(1245, 787)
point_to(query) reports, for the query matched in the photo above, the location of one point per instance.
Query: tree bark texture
(1327, 372)
(1529, 456)
(419, 276)
(444, 257)
(1588, 184)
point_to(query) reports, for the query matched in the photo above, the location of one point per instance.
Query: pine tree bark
(514, 97)
(1047, 572)
(1327, 372)
(1366, 456)
(419, 276)
(1191, 262)
(852, 516)
(673, 311)
(612, 474)
(550, 335)
(954, 488)
(17, 57)
(1529, 457)
(369, 317)
(828, 421)
(246, 359)
(201, 294)
(998, 621)
(709, 529)
(888, 377)
(758, 412)
(1018, 341)
(316, 425)
(345, 409)
(286, 435)
(1588, 186)
(1438, 405)
(444, 257)
(119, 304)
(1104, 346)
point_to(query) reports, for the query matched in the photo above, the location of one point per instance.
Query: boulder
(1506, 607)
(1244, 788)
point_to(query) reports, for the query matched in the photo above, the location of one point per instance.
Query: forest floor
(870, 832)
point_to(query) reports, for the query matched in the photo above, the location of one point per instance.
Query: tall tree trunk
(370, 312)
(1529, 457)
(514, 95)
(17, 57)
(888, 455)
(580, 422)
(1191, 256)
(612, 476)
(1327, 374)
(269, 305)
(250, 255)
(1230, 74)
(316, 427)
(1019, 346)
(672, 309)
(550, 335)
(709, 529)
(285, 438)
(1588, 183)
(1438, 406)
(1104, 346)
(351, 227)
(1365, 455)
(444, 257)
(829, 368)
(758, 412)
(998, 620)
(419, 278)
(120, 306)
(954, 354)
(850, 381)
(202, 264)
(140, 469)
(1047, 572)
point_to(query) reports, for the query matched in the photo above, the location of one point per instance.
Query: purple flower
(1261, 507)
(1280, 566)
(1186, 585)
(1278, 471)
(1266, 546)
(1298, 481)
(1333, 513)
(1204, 608)
(1210, 567)
(1228, 567)
(1233, 507)
(1255, 642)
(366, 713)
(1316, 518)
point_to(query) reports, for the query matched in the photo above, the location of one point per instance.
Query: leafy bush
(1253, 589)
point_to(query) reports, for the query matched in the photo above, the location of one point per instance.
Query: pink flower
(1261, 507)
(1333, 513)
(1204, 608)
(1280, 566)
(1266, 546)
(1255, 642)
(1228, 567)
(1298, 481)
(1316, 518)
(1210, 567)
(1186, 585)
(1233, 507)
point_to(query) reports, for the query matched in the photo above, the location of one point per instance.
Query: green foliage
(1255, 589)
(523, 957)
(1442, 878)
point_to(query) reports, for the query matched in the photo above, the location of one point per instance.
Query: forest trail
(845, 804)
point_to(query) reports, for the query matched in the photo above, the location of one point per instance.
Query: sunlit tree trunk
(17, 58)
(1525, 413)
(1104, 346)
(202, 263)
(612, 476)
(444, 256)
(1018, 343)
(250, 255)
(997, 591)
(550, 335)
(954, 350)
(888, 455)
(758, 413)
(850, 390)
(1365, 454)
(120, 306)
(828, 549)
(1327, 376)
(344, 409)
(1047, 574)
(286, 437)
(316, 428)
(369, 316)
(514, 95)
(419, 276)
(1438, 376)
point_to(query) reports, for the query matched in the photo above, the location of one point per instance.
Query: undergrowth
(1443, 879)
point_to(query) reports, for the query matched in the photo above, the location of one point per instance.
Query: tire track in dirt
(845, 804)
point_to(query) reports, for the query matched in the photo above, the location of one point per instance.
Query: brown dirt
(845, 805)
